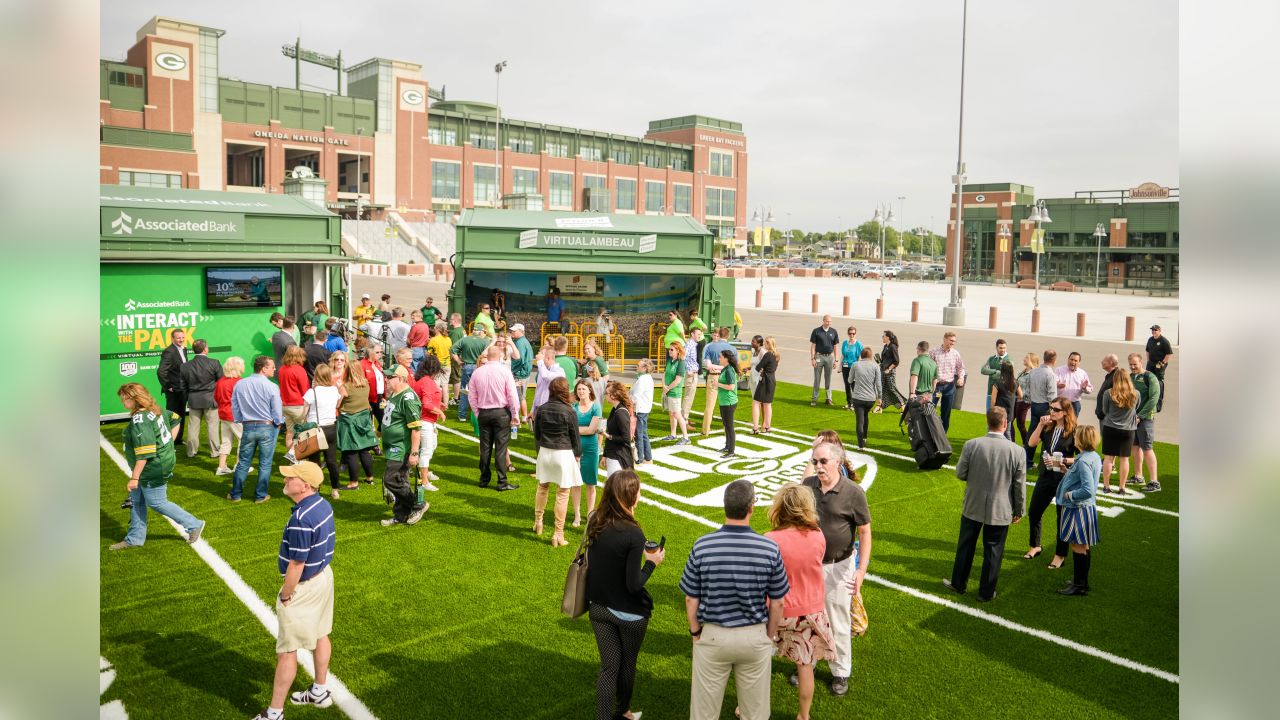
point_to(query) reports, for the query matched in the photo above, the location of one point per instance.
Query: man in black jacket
(199, 376)
(1109, 364)
(317, 354)
(169, 374)
(283, 336)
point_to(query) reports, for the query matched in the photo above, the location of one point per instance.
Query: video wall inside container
(634, 301)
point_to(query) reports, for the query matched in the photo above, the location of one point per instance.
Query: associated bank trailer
(214, 264)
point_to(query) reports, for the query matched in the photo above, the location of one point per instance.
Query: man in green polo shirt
(431, 313)
(1147, 384)
(468, 351)
(401, 433)
(675, 330)
(924, 371)
(456, 333)
(566, 363)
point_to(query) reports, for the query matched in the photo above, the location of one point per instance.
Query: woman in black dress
(617, 430)
(1055, 434)
(762, 398)
(890, 397)
(1005, 393)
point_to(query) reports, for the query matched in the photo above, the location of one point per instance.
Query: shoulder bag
(308, 438)
(574, 603)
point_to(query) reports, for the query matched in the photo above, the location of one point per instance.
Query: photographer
(605, 326)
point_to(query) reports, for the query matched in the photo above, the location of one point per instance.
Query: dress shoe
(947, 584)
(508, 486)
(1074, 589)
(994, 595)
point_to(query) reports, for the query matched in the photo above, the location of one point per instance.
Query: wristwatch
(696, 634)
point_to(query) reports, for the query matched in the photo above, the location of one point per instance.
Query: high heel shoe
(557, 540)
(1033, 553)
(537, 527)
(1051, 565)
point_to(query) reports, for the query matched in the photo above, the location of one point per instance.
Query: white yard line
(345, 700)
(972, 612)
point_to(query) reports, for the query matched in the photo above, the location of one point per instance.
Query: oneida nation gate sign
(125, 223)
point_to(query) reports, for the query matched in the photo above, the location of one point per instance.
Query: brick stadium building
(169, 120)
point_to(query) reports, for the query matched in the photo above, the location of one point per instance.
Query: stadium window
(483, 141)
(134, 178)
(521, 145)
(445, 182)
(442, 136)
(721, 164)
(594, 154)
(654, 194)
(623, 155)
(561, 190)
(483, 187)
(524, 182)
(626, 194)
(557, 149)
(682, 194)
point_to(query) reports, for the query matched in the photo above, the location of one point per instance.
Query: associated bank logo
(122, 225)
(128, 369)
(767, 463)
(412, 96)
(170, 61)
(131, 305)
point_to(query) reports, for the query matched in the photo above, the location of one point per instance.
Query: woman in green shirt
(727, 396)
(673, 391)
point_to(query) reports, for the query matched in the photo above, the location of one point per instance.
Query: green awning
(248, 257)
(576, 265)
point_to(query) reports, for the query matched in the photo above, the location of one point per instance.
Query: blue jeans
(263, 439)
(644, 449)
(418, 354)
(947, 399)
(156, 498)
(463, 403)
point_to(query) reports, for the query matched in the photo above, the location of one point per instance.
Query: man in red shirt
(419, 335)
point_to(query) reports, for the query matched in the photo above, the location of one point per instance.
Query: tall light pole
(1099, 232)
(497, 134)
(953, 313)
(763, 216)
(883, 216)
(1039, 214)
(359, 149)
(902, 220)
(1004, 238)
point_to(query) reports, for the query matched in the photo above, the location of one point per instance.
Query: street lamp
(763, 216)
(953, 313)
(1099, 232)
(497, 133)
(883, 216)
(1039, 214)
(359, 149)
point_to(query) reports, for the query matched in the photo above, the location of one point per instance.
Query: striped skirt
(1079, 525)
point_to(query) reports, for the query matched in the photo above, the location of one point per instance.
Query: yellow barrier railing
(614, 349)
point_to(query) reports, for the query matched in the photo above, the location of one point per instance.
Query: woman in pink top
(805, 633)
(292, 376)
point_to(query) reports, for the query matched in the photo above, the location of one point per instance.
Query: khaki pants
(747, 652)
(227, 430)
(690, 392)
(192, 440)
(838, 600)
(710, 411)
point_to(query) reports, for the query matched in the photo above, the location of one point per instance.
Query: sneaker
(233, 499)
(223, 471)
(309, 697)
(264, 716)
(432, 476)
(813, 403)
(127, 504)
(794, 680)
(261, 500)
(684, 441)
(1153, 486)
(290, 458)
(122, 545)
(429, 487)
(839, 686)
(668, 438)
(417, 514)
(1136, 481)
(194, 535)
(388, 522)
(728, 456)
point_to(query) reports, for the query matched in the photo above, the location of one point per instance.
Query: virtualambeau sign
(148, 223)
(538, 239)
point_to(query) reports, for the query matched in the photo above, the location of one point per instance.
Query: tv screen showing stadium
(243, 287)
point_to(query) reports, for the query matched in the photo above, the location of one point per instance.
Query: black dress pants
(1041, 497)
(619, 644)
(993, 537)
(176, 401)
(495, 433)
(730, 434)
(396, 481)
(860, 410)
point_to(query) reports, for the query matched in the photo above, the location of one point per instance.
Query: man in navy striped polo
(304, 607)
(733, 583)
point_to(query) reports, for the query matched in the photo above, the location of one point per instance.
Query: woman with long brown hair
(320, 405)
(804, 636)
(355, 419)
(619, 565)
(1055, 433)
(555, 432)
(292, 377)
(590, 420)
(617, 431)
(148, 450)
(1119, 421)
(766, 386)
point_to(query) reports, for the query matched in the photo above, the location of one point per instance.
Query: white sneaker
(416, 515)
(432, 476)
(289, 456)
(430, 487)
(224, 471)
(308, 697)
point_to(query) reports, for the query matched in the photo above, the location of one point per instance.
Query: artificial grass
(458, 616)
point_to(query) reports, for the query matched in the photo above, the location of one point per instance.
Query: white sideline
(973, 612)
(342, 697)
(798, 436)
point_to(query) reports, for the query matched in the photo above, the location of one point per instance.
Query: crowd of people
(791, 592)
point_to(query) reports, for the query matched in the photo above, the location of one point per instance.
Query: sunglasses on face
(821, 461)
(1055, 409)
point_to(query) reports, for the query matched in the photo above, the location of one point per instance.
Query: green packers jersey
(401, 415)
(148, 438)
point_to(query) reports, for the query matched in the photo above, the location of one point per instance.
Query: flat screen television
(243, 287)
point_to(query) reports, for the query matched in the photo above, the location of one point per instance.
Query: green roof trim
(574, 264)
(546, 220)
(153, 139)
(126, 196)
(692, 121)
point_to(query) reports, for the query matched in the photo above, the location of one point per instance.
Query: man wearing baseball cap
(304, 607)
(401, 433)
(522, 366)
(363, 312)
(1159, 353)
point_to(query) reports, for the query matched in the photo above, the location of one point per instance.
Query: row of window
(446, 184)
(150, 179)
(124, 79)
(446, 133)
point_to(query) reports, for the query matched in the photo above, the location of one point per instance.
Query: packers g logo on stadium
(170, 61)
(412, 96)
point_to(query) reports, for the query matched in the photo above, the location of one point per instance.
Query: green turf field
(458, 616)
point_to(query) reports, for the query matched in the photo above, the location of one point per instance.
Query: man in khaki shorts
(304, 606)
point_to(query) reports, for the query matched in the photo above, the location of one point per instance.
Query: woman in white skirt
(555, 431)
(1077, 493)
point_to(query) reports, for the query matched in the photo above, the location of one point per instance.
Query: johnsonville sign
(561, 240)
(1149, 191)
(124, 223)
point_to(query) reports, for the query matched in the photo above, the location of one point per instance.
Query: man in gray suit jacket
(994, 470)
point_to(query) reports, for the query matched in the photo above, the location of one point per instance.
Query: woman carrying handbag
(321, 405)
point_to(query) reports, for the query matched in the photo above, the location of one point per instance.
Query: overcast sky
(844, 104)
